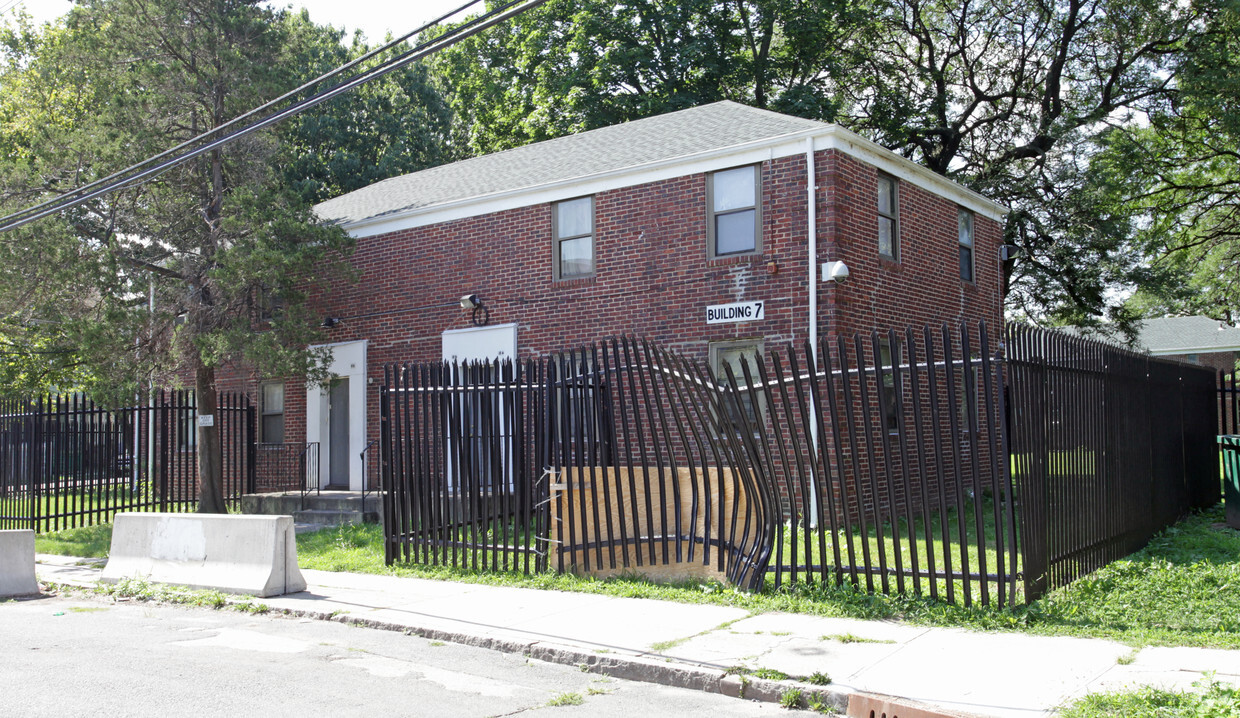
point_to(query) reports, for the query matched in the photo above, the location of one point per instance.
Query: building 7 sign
(736, 312)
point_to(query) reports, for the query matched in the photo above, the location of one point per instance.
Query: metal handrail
(306, 471)
(365, 483)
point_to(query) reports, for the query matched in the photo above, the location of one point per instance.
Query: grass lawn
(1183, 589)
(908, 544)
(1210, 700)
(58, 511)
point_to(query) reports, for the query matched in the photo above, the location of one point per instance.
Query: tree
(573, 66)
(213, 241)
(1010, 99)
(1179, 177)
(391, 126)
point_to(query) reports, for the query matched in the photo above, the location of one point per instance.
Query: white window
(572, 228)
(732, 354)
(734, 217)
(965, 221)
(888, 218)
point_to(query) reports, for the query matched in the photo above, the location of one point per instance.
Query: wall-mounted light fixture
(834, 272)
(329, 322)
(479, 315)
(1008, 252)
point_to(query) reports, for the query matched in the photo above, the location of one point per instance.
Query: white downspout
(811, 191)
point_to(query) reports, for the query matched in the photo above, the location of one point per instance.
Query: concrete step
(291, 502)
(331, 517)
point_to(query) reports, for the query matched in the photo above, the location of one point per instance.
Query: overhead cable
(203, 143)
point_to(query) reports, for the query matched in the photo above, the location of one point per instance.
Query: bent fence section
(874, 462)
(66, 462)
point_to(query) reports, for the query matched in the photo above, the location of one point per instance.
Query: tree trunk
(210, 475)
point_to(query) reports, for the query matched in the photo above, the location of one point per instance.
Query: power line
(144, 171)
(61, 201)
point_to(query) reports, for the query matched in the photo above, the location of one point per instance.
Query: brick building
(693, 229)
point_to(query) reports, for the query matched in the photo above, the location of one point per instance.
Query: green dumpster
(1229, 447)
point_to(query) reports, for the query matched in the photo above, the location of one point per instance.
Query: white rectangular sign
(736, 312)
(206, 420)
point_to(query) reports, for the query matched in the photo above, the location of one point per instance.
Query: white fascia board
(831, 137)
(854, 145)
(1194, 350)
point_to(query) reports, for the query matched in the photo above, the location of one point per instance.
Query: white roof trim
(1195, 350)
(825, 138)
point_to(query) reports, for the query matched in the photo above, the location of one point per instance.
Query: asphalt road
(71, 656)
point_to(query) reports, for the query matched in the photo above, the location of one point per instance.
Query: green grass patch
(1179, 590)
(143, 590)
(1210, 700)
(66, 510)
(566, 699)
(87, 542)
(1182, 589)
(947, 542)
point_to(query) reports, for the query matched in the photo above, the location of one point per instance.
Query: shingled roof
(688, 132)
(1184, 335)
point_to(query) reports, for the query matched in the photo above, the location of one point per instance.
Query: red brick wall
(924, 285)
(653, 278)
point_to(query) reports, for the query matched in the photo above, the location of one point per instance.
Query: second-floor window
(572, 229)
(734, 221)
(888, 218)
(966, 244)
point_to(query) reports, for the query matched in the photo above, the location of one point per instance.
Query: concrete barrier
(17, 563)
(251, 555)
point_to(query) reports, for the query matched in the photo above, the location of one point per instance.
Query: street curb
(667, 672)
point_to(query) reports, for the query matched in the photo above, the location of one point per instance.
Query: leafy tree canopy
(209, 264)
(1012, 99)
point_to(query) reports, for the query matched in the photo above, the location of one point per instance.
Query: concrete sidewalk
(932, 671)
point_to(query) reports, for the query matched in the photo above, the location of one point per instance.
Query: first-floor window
(273, 413)
(734, 354)
(891, 401)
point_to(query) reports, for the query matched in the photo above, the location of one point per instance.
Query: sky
(373, 17)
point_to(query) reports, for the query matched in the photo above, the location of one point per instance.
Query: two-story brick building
(698, 229)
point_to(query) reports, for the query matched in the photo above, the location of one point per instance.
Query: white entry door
(474, 450)
(336, 418)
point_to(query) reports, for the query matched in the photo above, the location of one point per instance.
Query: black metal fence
(881, 461)
(873, 462)
(66, 462)
(1228, 406)
(1107, 446)
(283, 467)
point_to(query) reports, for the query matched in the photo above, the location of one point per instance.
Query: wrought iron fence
(283, 467)
(67, 462)
(1108, 447)
(875, 462)
(1228, 406)
(882, 461)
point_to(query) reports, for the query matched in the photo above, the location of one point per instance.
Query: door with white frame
(336, 418)
(483, 446)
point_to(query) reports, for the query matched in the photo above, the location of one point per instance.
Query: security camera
(469, 301)
(834, 272)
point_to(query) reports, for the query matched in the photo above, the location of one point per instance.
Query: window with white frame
(572, 228)
(733, 204)
(965, 222)
(888, 217)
